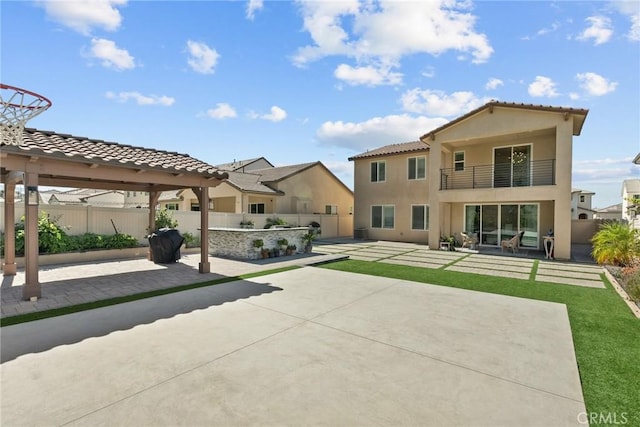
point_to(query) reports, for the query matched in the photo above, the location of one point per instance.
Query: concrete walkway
(487, 262)
(66, 285)
(307, 346)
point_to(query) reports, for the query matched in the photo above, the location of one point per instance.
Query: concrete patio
(307, 346)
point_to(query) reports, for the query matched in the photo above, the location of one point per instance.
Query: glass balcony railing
(500, 175)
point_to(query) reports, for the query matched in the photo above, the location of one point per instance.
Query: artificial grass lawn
(606, 335)
(29, 317)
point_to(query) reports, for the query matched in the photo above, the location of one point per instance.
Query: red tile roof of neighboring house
(406, 147)
(490, 105)
(77, 148)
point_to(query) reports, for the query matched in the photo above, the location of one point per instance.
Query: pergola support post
(203, 199)
(154, 196)
(31, 288)
(9, 265)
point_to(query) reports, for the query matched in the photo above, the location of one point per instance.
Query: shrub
(630, 281)
(617, 244)
(164, 219)
(275, 221)
(52, 238)
(191, 240)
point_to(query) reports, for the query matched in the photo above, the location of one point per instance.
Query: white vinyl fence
(102, 220)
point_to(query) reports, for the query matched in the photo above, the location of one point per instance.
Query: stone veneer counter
(238, 242)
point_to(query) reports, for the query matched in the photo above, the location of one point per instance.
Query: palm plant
(617, 244)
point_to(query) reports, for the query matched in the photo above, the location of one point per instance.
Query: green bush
(191, 240)
(630, 281)
(274, 221)
(164, 219)
(616, 244)
(53, 239)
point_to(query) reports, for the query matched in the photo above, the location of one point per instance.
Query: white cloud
(631, 8)
(574, 96)
(599, 30)
(222, 111)
(554, 27)
(429, 72)
(594, 84)
(383, 32)
(141, 99)
(543, 86)
(369, 75)
(203, 59)
(493, 83)
(111, 55)
(634, 31)
(377, 131)
(438, 103)
(276, 114)
(252, 7)
(83, 15)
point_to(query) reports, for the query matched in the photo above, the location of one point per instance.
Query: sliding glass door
(512, 166)
(494, 223)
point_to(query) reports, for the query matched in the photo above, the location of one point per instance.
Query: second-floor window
(378, 171)
(458, 160)
(417, 167)
(581, 199)
(331, 209)
(171, 206)
(383, 216)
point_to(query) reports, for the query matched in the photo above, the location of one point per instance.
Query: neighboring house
(108, 198)
(631, 201)
(613, 212)
(248, 165)
(581, 204)
(295, 189)
(636, 160)
(498, 170)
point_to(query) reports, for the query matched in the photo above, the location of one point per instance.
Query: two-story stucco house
(581, 204)
(304, 188)
(496, 171)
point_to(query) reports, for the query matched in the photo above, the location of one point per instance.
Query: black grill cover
(165, 245)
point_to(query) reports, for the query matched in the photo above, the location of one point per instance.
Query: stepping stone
(570, 281)
(510, 274)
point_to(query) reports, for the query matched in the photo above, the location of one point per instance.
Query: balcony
(500, 175)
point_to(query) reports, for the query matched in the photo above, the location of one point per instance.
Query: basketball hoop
(17, 107)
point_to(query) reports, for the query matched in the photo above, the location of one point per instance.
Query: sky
(301, 81)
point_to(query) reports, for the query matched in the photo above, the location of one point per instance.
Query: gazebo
(54, 159)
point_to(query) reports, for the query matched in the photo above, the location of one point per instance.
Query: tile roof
(613, 208)
(249, 182)
(49, 144)
(578, 111)
(281, 172)
(239, 164)
(406, 147)
(632, 185)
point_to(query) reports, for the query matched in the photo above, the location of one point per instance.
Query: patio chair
(468, 241)
(513, 243)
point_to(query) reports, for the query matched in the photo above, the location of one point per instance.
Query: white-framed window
(256, 208)
(378, 171)
(195, 207)
(581, 199)
(383, 216)
(458, 161)
(172, 206)
(417, 167)
(419, 217)
(331, 209)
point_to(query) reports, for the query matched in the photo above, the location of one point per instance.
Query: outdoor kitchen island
(239, 242)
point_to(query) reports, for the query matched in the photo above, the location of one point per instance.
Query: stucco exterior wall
(310, 191)
(396, 190)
